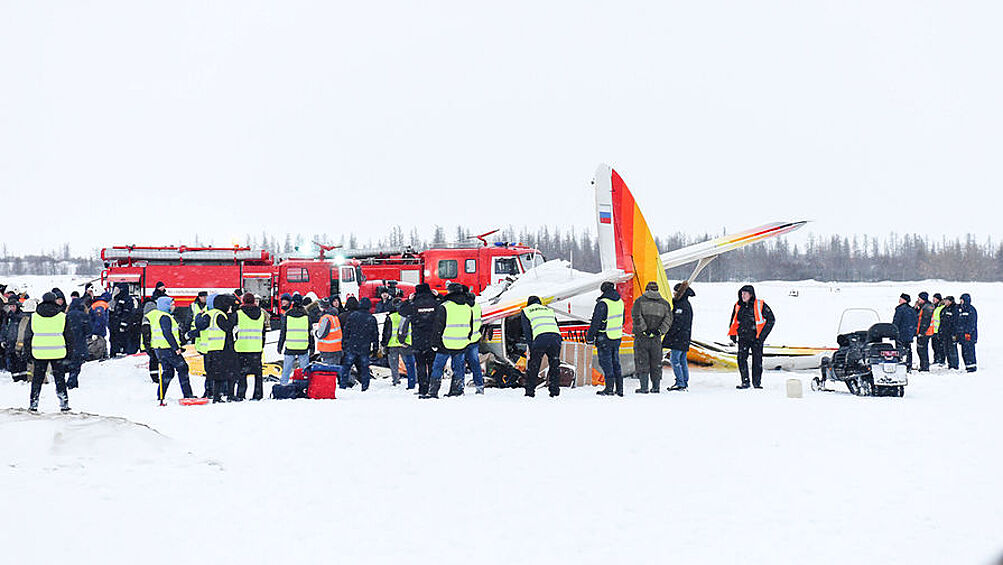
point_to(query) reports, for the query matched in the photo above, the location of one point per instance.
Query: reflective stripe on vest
(919, 326)
(542, 320)
(757, 310)
(157, 338)
(614, 318)
(47, 340)
(475, 331)
(936, 318)
(332, 342)
(297, 330)
(456, 334)
(394, 319)
(213, 337)
(249, 333)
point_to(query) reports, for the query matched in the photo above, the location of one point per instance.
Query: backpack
(295, 389)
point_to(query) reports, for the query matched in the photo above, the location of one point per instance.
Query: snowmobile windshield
(857, 319)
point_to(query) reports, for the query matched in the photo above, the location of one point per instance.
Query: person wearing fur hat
(49, 342)
(906, 319)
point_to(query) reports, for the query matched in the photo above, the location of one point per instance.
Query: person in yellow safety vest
(472, 355)
(295, 339)
(939, 351)
(197, 308)
(539, 326)
(149, 305)
(396, 339)
(196, 336)
(215, 327)
(606, 331)
(165, 340)
(249, 343)
(49, 343)
(451, 334)
(751, 322)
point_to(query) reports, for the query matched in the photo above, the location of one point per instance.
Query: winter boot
(480, 390)
(641, 391)
(64, 401)
(605, 392)
(33, 403)
(742, 386)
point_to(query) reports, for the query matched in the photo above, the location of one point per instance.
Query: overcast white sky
(148, 122)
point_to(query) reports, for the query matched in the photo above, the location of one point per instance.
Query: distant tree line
(825, 258)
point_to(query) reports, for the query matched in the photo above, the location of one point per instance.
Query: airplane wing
(725, 243)
(554, 282)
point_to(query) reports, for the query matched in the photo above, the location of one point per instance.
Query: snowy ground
(715, 475)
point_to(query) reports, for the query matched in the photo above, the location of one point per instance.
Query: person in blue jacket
(968, 331)
(80, 324)
(907, 321)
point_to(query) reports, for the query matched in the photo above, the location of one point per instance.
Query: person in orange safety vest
(751, 322)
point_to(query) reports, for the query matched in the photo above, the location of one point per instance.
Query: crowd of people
(942, 324)
(422, 333)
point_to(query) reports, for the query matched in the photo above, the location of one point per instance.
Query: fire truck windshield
(530, 260)
(506, 266)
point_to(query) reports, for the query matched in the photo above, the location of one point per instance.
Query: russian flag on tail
(605, 216)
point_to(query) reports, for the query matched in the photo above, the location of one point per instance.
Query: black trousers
(923, 352)
(423, 359)
(754, 348)
(154, 366)
(549, 345)
(250, 364)
(939, 351)
(905, 350)
(58, 374)
(968, 355)
(951, 351)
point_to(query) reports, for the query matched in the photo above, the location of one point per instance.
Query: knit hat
(365, 304)
(297, 299)
(48, 297)
(160, 284)
(937, 296)
(951, 298)
(423, 288)
(651, 286)
(533, 300)
(905, 297)
(607, 286)
(202, 293)
(248, 298)
(924, 296)
(352, 303)
(286, 296)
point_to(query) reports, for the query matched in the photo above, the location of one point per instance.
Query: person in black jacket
(752, 321)
(948, 332)
(221, 366)
(906, 319)
(80, 325)
(968, 331)
(360, 339)
(677, 339)
(420, 312)
(13, 337)
(119, 319)
(607, 348)
(42, 354)
(159, 290)
(449, 347)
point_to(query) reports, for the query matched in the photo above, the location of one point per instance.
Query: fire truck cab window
(448, 269)
(506, 266)
(296, 275)
(470, 266)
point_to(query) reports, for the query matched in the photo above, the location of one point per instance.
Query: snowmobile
(868, 360)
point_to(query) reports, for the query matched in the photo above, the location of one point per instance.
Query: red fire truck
(476, 266)
(188, 270)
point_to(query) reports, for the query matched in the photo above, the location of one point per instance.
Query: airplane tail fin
(625, 241)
